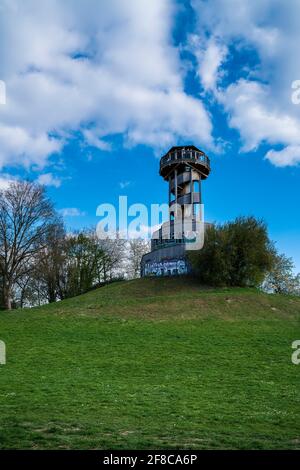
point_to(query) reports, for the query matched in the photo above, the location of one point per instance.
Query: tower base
(169, 261)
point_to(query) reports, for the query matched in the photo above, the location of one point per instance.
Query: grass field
(152, 363)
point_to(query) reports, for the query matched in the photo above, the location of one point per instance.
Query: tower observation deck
(184, 168)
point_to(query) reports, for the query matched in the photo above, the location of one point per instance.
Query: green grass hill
(152, 364)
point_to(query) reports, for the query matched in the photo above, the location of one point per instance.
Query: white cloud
(212, 60)
(18, 146)
(251, 110)
(289, 156)
(259, 106)
(94, 141)
(210, 55)
(236, 21)
(97, 69)
(48, 179)
(71, 212)
(101, 70)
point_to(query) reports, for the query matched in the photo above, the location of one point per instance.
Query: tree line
(40, 262)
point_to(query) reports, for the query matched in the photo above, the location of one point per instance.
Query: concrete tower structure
(184, 168)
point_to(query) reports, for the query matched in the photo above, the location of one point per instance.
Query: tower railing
(192, 156)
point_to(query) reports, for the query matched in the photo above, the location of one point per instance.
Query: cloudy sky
(97, 90)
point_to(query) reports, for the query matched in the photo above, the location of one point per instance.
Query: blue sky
(97, 91)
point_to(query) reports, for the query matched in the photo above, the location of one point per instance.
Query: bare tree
(51, 263)
(136, 249)
(26, 217)
(112, 266)
(281, 278)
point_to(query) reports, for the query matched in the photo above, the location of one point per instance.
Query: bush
(237, 253)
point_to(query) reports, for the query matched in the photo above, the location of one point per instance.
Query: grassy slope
(155, 363)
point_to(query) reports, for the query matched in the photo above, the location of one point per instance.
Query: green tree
(81, 269)
(90, 261)
(238, 253)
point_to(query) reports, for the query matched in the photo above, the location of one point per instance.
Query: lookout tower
(184, 168)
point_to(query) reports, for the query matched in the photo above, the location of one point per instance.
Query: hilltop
(175, 298)
(152, 363)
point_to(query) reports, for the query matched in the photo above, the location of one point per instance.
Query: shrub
(238, 253)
